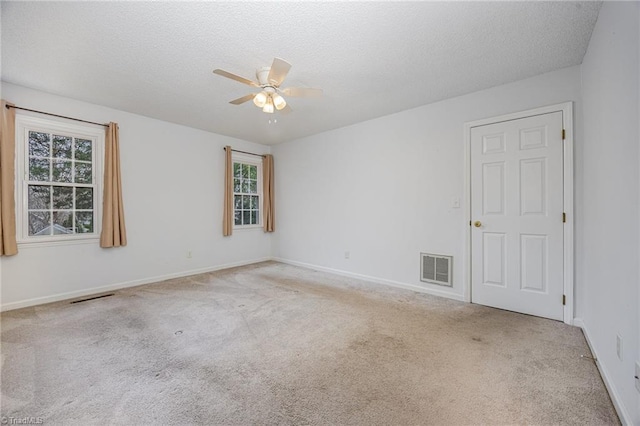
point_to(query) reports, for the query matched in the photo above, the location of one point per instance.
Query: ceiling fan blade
(278, 72)
(302, 92)
(286, 110)
(243, 99)
(235, 77)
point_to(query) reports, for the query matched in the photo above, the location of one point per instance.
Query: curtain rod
(55, 115)
(244, 152)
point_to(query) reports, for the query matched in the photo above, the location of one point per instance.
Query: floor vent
(93, 298)
(436, 269)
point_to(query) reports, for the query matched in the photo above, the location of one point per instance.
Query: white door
(517, 215)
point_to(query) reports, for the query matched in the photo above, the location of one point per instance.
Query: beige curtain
(227, 217)
(269, 205)
(8, 246)
(114, 232)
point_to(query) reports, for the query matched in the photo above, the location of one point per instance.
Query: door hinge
(563, 134)
(564, 300)
(564, 217)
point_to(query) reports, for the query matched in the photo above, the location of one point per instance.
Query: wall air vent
(436, 269)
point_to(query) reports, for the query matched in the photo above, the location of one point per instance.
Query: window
(247, 191)
(59, 191)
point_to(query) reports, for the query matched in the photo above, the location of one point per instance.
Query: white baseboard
(391, 283)
(623, 414)
(118, 286)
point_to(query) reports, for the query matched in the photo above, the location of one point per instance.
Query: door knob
(477, 224)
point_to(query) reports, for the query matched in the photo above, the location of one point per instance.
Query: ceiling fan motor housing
(263, 76)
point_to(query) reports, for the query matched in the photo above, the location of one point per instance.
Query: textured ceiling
(371, 58)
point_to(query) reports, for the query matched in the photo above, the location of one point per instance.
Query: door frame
(568, 230)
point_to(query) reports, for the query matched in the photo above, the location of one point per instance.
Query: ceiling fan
(269, 80)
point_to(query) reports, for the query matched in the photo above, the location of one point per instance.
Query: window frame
(27, 123)
(252, 160)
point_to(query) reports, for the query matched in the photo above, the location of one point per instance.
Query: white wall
(383, 189)
(610, 75)
(173, 189)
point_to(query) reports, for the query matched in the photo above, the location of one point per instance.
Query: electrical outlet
(619, 347)
(637, 376)
(347, 255)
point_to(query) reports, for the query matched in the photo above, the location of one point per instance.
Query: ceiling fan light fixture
(279, 102)
(268, 106)
(260, 99)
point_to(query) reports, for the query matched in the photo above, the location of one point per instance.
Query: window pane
(83, 173)
(236, 185)
(38, 144)
(237, 170)
(253, 186)
(254, 203)
(62, 197)
(61, 146)
(83, 150)
(245, 186)
(253, 172)
(238, 217)
(254, 217)
(246, 217)
(62, 223)
(245, 171)
(246, 202)
(61, 171)
(59, 198)
(39, 169)
(84, 222)
(237, 202)
(39, 223)
(39, 197)
(84, 198)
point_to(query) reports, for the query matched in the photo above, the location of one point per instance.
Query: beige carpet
(276, 344)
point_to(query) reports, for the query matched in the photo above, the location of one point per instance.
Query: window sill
(54, 243)
(247, 227)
